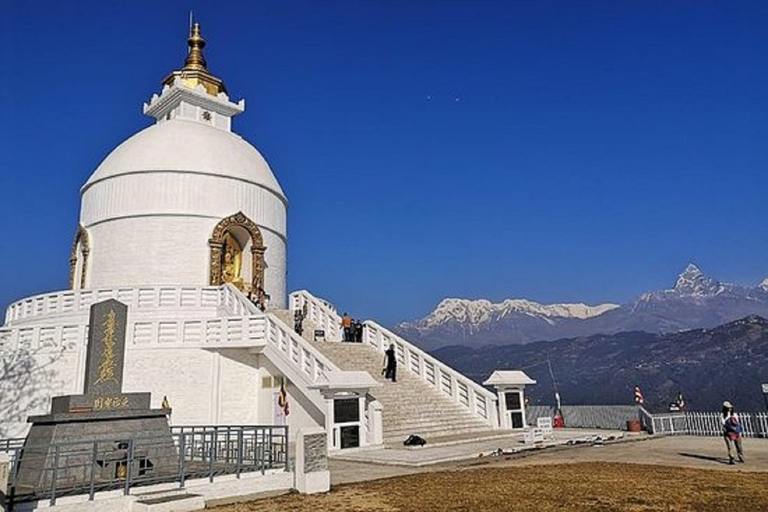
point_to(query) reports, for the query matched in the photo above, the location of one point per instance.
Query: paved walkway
(468, 447)
(680, 451)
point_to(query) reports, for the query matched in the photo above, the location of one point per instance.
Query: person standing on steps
(298, 319)
(390, 362)
(346, 324)
(732, 431)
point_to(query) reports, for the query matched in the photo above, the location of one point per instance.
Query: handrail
(462, 390)
(646, 419)
(705, 423)
(308, 360)
(320, 312)
(140, 298)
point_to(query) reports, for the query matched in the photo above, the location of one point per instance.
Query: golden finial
(195, 70)
(195, 59)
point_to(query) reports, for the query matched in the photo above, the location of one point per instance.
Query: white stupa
(181, 222)
(185, 201)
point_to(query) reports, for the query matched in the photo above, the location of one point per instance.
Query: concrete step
(168, 501)
(410, 405)
(437, 426)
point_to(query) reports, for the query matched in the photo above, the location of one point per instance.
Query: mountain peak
(764, 284)
(692, 281)
(692, 269)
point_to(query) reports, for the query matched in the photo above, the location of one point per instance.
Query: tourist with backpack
(732, 432)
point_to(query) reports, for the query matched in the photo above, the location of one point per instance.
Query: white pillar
(311, 469)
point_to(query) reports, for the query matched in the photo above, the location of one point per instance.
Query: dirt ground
(588, 486)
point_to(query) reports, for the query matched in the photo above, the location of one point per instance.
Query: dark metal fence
(10, 445)
(87, 467)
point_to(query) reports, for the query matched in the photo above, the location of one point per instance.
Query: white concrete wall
(302, 413)
(181, 193)
(238, 388)
(34, 377)
(153, 228)
(188, 377)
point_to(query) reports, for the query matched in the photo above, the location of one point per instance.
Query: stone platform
(104, 435)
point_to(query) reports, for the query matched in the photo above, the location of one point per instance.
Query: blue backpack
(732, 425)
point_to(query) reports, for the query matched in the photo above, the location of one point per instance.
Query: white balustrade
(219, 299)
(320, 312)
(42, 338)
(703, 423)
(462, 390)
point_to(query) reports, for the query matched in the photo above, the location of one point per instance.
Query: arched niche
(78, 259)
(237, 253)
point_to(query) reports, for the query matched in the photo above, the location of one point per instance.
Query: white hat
(727, 404)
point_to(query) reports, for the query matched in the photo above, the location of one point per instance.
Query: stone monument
(95, 431)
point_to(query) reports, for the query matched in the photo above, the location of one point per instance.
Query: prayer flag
(282, 398)
(639, 399)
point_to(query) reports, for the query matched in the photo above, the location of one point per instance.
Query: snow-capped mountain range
(695, 301)
(476, 314)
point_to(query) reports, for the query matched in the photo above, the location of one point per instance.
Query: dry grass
(592, 486)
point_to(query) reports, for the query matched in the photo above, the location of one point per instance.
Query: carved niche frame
(81, 240)
(216, 242)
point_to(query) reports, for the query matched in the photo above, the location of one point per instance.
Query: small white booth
(510, 386)
(353, 418)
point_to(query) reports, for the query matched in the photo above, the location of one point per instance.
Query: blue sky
(551, 150)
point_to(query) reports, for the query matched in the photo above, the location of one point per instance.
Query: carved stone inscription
(106, 352)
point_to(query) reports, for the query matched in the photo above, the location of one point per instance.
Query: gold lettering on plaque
(110, 402)
(108, 365)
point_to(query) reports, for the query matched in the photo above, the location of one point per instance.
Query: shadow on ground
(719, 460)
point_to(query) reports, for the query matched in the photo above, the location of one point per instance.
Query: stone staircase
(410, 405)
(286, 315)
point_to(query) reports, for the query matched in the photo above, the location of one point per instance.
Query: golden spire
(195, 59)
(195, 72)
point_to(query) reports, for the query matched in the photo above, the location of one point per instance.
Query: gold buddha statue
(231, 265)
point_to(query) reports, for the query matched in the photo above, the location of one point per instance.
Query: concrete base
(310, 483)
(224, 489)
(149, 430)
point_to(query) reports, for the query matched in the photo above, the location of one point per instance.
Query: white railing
(302, 355)
(235, 303)
(46, 337)
(472, 396)
(703, 423)
(143, 298)
(220, 332)
(242, 325)
(320, 312)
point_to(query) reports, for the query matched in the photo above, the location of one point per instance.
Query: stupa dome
(181, 145)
